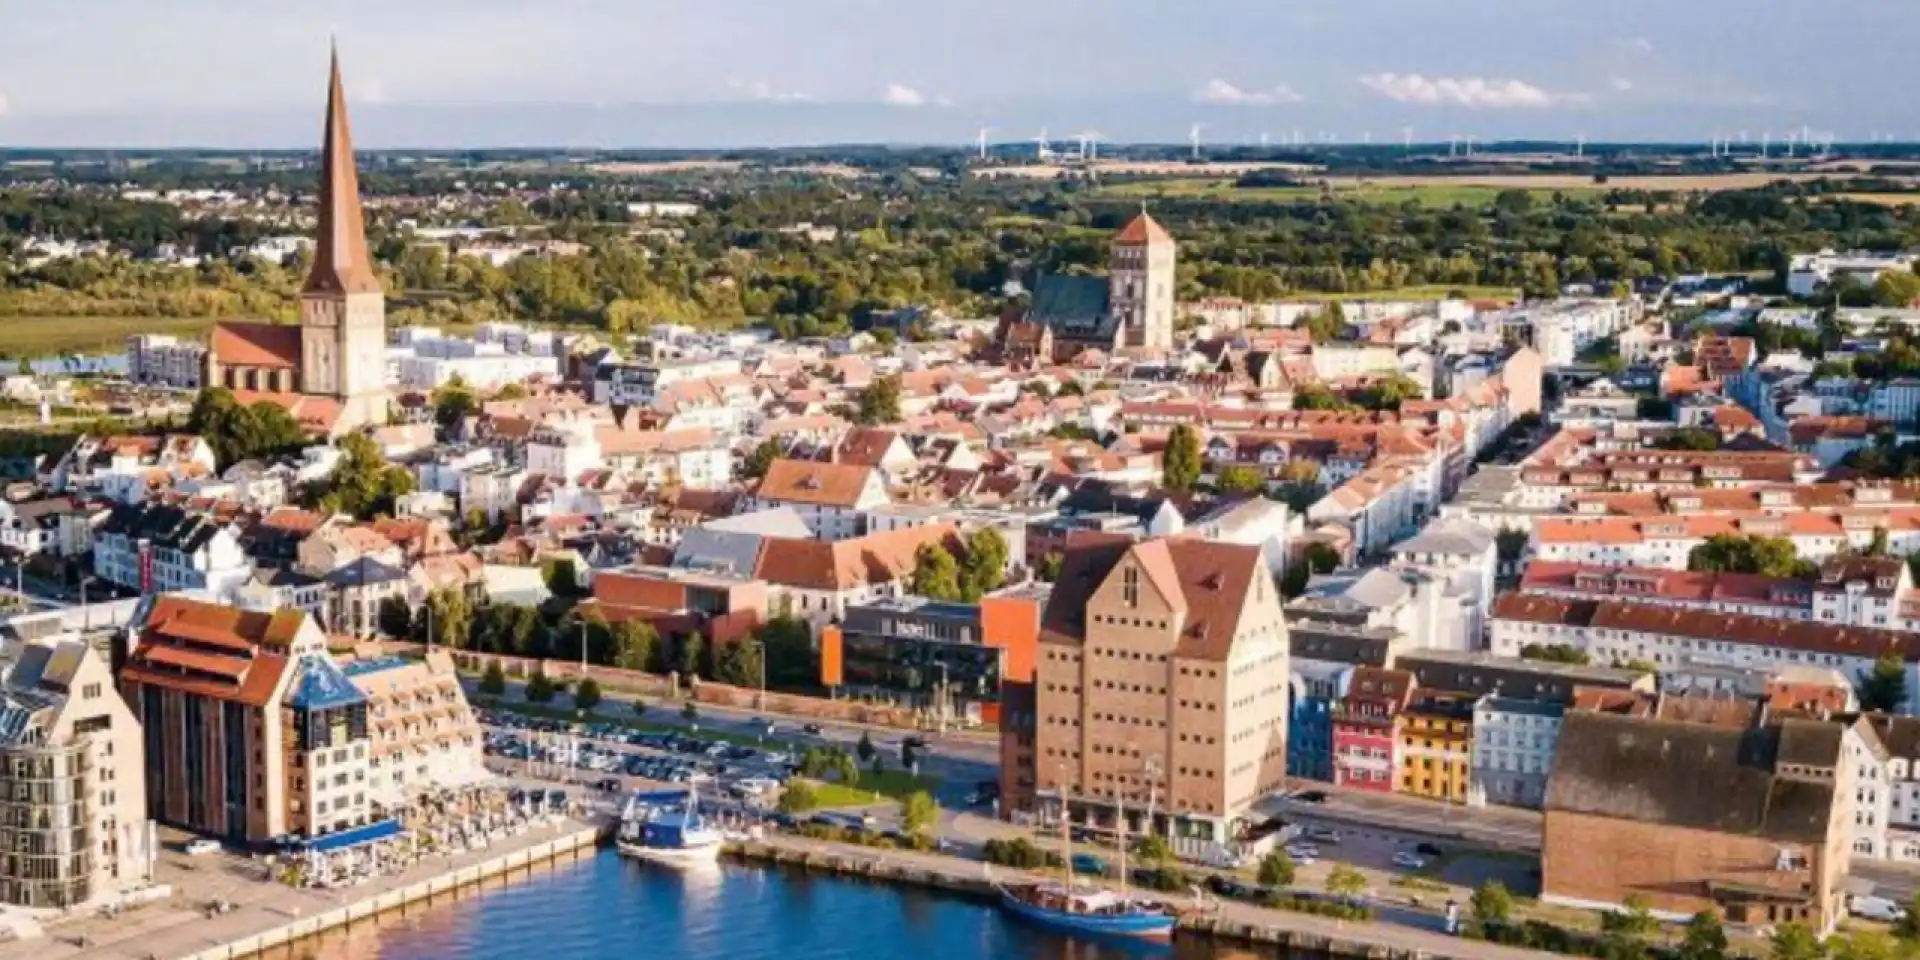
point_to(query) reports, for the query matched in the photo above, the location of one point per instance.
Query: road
(960, 760)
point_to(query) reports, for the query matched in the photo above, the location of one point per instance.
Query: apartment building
(1434, 759)
(1849, 591)
(422, 734)
(157, 360)
(831, 497)
(1162, 677)
(1677, 641)
(251, 731)
(73, 820)
(1366, 747)
(1666, 542)
(1513, 746)
(159, 548)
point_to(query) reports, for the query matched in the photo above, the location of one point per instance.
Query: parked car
(1408, 860)
(1323, 834)
(1876, 908)
(1087, 863)
(811, 729)
(1426, 849)
(201, 846)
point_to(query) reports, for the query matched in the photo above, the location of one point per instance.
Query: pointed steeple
(340, 261)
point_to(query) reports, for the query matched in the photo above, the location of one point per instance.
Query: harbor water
(606, 905)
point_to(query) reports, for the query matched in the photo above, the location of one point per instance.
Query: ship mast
(1066, 833)
(1120, 833)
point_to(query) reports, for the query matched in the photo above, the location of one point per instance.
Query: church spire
(340, 261)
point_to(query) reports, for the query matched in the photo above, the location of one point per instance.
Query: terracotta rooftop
(269, 345)
(820, 484)
(1142, 231)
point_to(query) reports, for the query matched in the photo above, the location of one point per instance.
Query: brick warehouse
(1767, 843)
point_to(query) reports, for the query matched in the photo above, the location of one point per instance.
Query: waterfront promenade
(1230, 921)
(181, 927)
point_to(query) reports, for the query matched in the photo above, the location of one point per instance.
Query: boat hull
(672, 856)
(1132, 926)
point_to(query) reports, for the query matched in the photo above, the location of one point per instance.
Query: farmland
(47, 336)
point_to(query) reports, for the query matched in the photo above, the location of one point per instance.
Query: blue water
(607, 906)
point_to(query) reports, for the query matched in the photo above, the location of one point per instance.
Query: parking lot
(620, 756)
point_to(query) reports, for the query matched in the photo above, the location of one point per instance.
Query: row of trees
(979, 569)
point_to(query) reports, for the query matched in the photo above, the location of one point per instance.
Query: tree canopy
(1766, 556)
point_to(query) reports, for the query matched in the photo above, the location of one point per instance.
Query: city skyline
(590, 73)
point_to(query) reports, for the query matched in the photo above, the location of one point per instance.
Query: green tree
(363, 484)
(865, 748)
(1048, 569)
(1326, 324)
(1796, 941)
(453, 402)
(1690, 438)
(754, 467)
(562, 577)
(800, 796)
(689, 712)
(633, 643)
(1153, 849)
(1555, 653)
(1345, 882)
(512, 391)
(1896, 288)
(1276, 870)
(786, 644)
(879, 402)
(539, 688)
(1390, 392)
(1884, 687)
(1705, 939)
(1866, 945)
(936, 575)
(446, 619)
(692, 652)
(1242, 478)
(1878, 546)
(845, 771)
(586, 694)
(984, 565)
(395, 617)
(493, 682)
(1492, 904)
(1511, 545)
(1180, 461)
(919, 814)
(739, 664)
(1907, 928)
(1767, 556)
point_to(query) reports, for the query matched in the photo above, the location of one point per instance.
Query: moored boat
(1087, 911)
(655, 827)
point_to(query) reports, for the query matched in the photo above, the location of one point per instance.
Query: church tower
(343, 312)
(1140, 274)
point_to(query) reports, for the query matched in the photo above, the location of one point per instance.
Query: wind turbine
(1044, 147)
(1089, 145)
(1406, 138)
(981, 137)
(1580, 147)
(1193, 137)
(1263, 139)
(1766, 140)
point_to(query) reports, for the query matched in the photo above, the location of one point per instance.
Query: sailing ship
(1088, 910)
(667, 828)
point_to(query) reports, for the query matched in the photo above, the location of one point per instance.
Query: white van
(1876, 908)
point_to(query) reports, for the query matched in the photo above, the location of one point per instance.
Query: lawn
(47, 336)
(833, 795)
(1427, 194)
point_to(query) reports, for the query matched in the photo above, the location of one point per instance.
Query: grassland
(1439, 194)
(1426, 292)
(47, 336)
(1884, 199)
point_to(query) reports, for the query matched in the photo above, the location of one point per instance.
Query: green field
(1426, 194)
(47, 336)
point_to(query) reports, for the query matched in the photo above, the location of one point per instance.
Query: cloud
(1621, 84)
(901, 95)
(1221, 92)
(765, 92)
(1473, 92)
(1641, 45)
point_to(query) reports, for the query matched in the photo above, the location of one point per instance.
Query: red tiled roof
(273, 345)
(1141, 231)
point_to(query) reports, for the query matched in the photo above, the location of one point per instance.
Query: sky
(729, 73)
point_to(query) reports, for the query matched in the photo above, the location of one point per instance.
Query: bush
(1164, 879)
(1319, 907)
(1020, 853)
(587, 695)
(639, 707)
(539, 689)
(493, 682)
(799, 797)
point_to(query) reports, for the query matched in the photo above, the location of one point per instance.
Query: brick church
(330, 371)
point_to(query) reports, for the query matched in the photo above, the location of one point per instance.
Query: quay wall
(1352, 943)
(586, 839)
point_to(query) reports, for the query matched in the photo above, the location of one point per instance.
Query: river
(607, 906)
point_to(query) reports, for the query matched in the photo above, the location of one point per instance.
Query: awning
(377, 830)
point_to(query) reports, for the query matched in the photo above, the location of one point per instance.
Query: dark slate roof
(363, 571)
(163, 525)
(1656, 771)
(1072, 306)
(323, 686)
(1480, 672)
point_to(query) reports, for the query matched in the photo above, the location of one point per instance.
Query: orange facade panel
(832, 657)
(1012, 624)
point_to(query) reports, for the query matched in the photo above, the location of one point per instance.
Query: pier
(267, 917)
